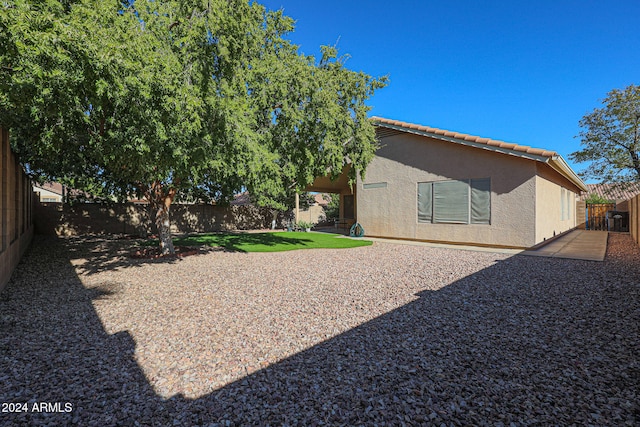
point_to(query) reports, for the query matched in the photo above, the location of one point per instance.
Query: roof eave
(561, 166)
(465, 142)
(555, 160)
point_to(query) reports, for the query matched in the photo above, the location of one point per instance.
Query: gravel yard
(379, 335)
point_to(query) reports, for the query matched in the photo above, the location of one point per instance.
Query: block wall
(16, 210)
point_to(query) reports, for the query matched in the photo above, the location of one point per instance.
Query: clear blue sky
(522, 72)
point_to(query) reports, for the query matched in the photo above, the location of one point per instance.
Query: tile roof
(462, 137)
(388, 127)
(319, 199)
(241, 199)
(244, 199)
(53, 187)
(616, 191)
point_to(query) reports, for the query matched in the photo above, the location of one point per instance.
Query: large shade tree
(170, 99)
(610, 138)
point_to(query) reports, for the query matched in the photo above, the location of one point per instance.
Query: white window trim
(565, 204)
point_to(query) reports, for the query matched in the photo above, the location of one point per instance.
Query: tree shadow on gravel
(94, 255)
(102, 253)
(527, 341)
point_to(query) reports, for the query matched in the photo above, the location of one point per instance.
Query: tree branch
(636, 161)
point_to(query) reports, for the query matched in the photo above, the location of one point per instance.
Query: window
(481, 201)
(374, 185)
(455, 202)
(425, 201)
(565, 204)
(451, 202)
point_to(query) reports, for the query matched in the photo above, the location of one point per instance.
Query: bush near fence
(134, 219)
(16, 210)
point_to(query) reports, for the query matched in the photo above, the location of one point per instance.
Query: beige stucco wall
(549, 210)
(314, 214)
(549, 186)
(406, 159)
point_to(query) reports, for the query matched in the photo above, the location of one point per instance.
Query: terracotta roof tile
(465, 137)
(616, 191)
(319, 199)
(54, 187)
(241, 199)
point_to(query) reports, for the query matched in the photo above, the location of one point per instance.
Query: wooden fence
(634, 218)
(597, 215)
(608, 217)
(16, 210)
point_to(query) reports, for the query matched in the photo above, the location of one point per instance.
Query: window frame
(425, 189)
(565, 204)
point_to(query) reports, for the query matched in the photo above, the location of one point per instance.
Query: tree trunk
(164, 230)
(160, 203)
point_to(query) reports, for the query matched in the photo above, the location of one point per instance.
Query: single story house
(49, 192)
(435, 185)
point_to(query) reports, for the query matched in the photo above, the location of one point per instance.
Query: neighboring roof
(53, 187)
(616, 191)
(388, 127)
(241, 199)
(60, 190)
(320, 200)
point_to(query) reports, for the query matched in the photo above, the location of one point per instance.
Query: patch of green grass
(270, 242)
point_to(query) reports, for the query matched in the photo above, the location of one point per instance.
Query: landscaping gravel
(380, 335)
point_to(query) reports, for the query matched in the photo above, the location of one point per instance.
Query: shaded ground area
(379, 335)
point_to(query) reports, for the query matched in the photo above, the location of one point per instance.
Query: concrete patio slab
(577, 244)
(441, 245)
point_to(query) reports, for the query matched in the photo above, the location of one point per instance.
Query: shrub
(596, 198)
(304, 225)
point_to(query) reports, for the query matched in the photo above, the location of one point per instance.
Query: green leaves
(594, 198)
(611, 138)
(208, 97)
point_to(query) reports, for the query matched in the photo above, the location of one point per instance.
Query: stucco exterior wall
(404, 160)
(549, 220)
(314, 214)
(549, 210)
